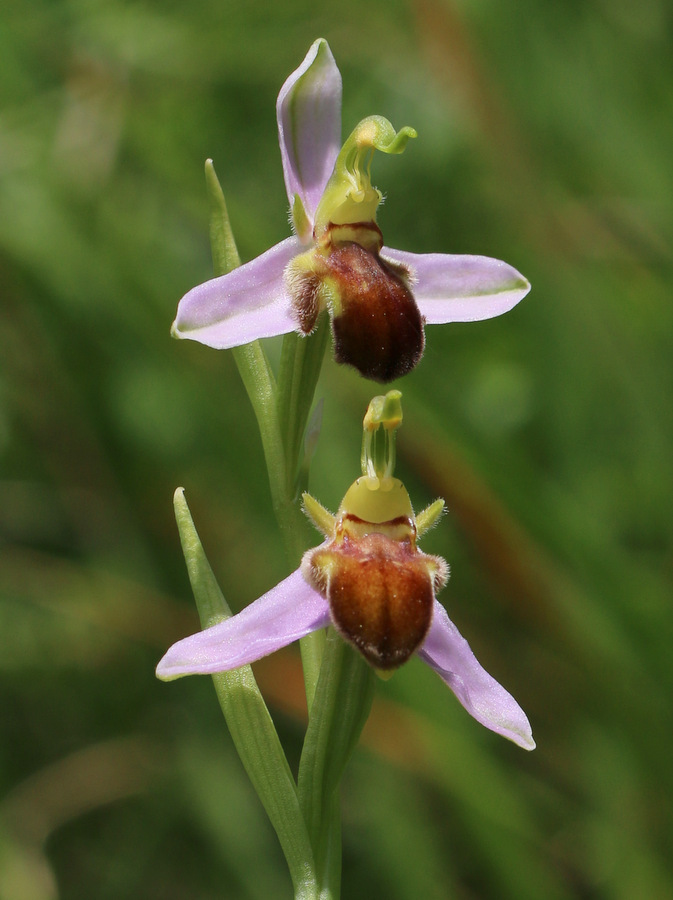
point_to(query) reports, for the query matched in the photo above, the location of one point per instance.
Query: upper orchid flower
(378, 299)
(372, 583)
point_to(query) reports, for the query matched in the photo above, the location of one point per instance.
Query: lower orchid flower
(370, 581)
(378, 299)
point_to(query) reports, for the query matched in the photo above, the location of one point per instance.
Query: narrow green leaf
(248, 719)
(222, 241)
(251, 360)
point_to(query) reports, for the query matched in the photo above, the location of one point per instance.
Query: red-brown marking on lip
(401, 528)
(381, 594)
(366, 234)
(391, 523)
(379, 330)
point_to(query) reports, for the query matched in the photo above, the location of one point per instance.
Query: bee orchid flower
(378, 299)
(370, 580)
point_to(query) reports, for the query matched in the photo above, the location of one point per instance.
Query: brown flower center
(376, 324)
(380, 588)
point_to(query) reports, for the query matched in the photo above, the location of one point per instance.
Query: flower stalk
(282, 408)
(340, 710)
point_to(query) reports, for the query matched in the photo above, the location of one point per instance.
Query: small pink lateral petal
(449, 654)
(248, 303)
(458, 288)
(287, 612)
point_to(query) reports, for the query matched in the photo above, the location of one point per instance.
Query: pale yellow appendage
(322, 519)
(429, 517)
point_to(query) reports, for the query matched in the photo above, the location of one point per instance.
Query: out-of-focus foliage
(545, 136)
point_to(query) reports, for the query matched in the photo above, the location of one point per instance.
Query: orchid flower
(369, 580)
(378, 299)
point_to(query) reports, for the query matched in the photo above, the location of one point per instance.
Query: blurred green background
(546, 139)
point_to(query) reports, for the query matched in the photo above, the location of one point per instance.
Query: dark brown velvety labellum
(381, 594)
(378, 329)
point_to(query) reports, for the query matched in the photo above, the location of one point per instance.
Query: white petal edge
(284, 614)
(248, 303)
(308, 111)
(460, 288)
(449, 654)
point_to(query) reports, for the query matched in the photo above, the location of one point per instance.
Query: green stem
(330, 883)
(340, 709)
(300, 364)
(282, 409)
(339, 684)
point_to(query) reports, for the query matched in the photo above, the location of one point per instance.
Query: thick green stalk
(300, 364)
(339, 684)
(340, 709)
(281, 408)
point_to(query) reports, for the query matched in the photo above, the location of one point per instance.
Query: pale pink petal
(286, 613)
(456, 288)
(309, 125)
(249, 302)
(449, 654)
